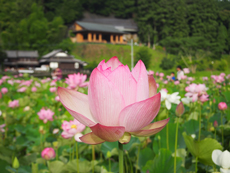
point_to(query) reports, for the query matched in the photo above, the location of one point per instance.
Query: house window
(53, 65)
(76, 65)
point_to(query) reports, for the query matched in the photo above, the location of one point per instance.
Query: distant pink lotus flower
(188, 82)
(215, 124)
(2, 128)
(20, 75)
(76, 80)
(183, 77)
(26, 83)
(1, 81)
(53, 83)
(48, 154)
(218, 79)
(161, 74)
(4, 90)
(157, 85)
(177, 82)
(57, 98)
(53, 89)
(11, 82)
(45, 80)
(71, 128)
(227, 77)
(222, 74)
(33, 89)
(222, 106)
(195, 91)
(205, 78)
(190, 78)
(55, 131)
(150, 72)
(45, 115)
(15, 76)
(165, 82)
(186, 70)
(14, 104)
(5, 77)
(37, 84)
(204, 98)
(161, 78)
(119, 103)
(0, 97)
(22, 90)
(17, 81)
(157, 74)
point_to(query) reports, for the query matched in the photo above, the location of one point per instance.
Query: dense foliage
(42, 25)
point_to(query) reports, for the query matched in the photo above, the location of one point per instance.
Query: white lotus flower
(173, 98)
(222, 159)
(186, 100)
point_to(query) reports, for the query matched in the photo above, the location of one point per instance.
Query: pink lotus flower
(45, 115)
(26, 83)
(53, 83)
(205, 78)
(48, 154)
(227, 77)
(119, 103)
(157, 74)
(222, 74)
(33, 89)
(4, 90)
(191, 79)
(177, 82)
(150, 72)
(1, 81)
(222, 106)
(218, 79)
(215, 124)
(20, 75)
(17, 81)
(11, 82)
(14, 104)
(71, 128)
(57, 98)
(37, 84)
(21, 90)
(55, 131)
(186, 70)
(183, 77)
(195, 91)
(188, 82)
(76, 80)
(161, 74)
(165, 82)
(5, 77)
(164, 90)
(157, 85)
(53, 89)
(2, 128)
(204, 98)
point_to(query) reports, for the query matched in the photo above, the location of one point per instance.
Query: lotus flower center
(74, 126)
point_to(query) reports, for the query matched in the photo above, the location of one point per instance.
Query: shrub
(167, 64)
(143, 54)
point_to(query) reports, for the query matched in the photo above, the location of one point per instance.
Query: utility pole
(131, 53)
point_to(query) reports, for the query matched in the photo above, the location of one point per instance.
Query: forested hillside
(178, 25)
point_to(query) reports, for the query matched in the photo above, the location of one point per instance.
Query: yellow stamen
(74, 126)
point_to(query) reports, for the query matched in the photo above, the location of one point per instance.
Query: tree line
(177, 25)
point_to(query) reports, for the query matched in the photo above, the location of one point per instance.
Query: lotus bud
(16, 163)
(179, 109)
(222, 106)
(48, 154)
(108, 154)
(215, 124)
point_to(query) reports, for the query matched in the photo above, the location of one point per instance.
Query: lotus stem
(167, 132)
(177, 124)
(109, 165)
(93, 157)
(196, 168)
(131, 167)
(199, 124)
(77, 159)
(138, 152)
(222, 129)
(121, 157)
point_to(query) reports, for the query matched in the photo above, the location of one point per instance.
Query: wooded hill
(178, 25)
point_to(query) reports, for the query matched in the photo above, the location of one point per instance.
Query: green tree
(143, 54)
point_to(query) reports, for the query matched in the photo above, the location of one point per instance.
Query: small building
(20, 60)
(99, 29)
(61, 59)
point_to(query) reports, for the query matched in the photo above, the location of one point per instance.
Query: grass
(92, 52)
